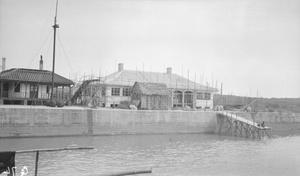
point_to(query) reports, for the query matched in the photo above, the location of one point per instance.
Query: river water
(167, 155)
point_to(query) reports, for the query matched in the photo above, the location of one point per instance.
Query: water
(168, 155)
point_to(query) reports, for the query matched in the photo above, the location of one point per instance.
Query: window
(188, 97)
(199, 95)
(207, 96)
(115, 91)
(17, 87)
(126, 92)
(177, 97)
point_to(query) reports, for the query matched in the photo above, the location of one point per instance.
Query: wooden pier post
(36, 163)
(235, 126)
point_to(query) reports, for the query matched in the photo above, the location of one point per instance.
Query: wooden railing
(26, 95)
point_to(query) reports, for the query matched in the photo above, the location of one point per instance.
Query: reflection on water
(173, 154)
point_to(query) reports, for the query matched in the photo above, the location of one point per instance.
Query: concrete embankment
(33, 121)
(44, 121)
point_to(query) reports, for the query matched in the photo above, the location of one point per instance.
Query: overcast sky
(251, 46)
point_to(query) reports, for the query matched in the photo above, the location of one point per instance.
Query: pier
(234, 125)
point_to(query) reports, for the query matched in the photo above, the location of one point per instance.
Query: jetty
(229, 123)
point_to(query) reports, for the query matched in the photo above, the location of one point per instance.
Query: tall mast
(53, 65)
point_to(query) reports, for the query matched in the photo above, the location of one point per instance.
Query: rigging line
(40, 39)
(39, 49)
(19, 81)
(143, 76)
(50, 44)
(40, 73)
(67, 58)
(33, 58)
(46, 22)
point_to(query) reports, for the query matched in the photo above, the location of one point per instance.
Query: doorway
(34, 91)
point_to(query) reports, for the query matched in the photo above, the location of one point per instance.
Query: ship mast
(55, 26)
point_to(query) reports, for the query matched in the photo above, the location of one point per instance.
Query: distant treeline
(262, 104)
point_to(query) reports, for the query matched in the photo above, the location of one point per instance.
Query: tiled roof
(32, 75)
(173, 81)
(151, 89)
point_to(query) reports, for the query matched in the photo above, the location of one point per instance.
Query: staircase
(81, 88)
(232, 124)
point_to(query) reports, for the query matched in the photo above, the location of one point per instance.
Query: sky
(252, 47)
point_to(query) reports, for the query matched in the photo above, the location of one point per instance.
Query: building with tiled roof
(29, 86)
(33, 76)
(185, 92)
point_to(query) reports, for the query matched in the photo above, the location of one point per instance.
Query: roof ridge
(34, 75)
(172, 80)
(114, 77)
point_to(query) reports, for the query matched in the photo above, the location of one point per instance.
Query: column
(1, 93)
(63, 87)
(194, 99)
(70, 91)
(172, 97)
(56, 92)
(26, 85)
(182, 98)
(48, 88)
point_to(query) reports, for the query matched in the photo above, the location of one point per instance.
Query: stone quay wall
(45, 121)
(34, 121)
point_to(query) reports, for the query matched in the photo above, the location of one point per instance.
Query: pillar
(194, 99)
(183, 99)
(63, 87)
(1, 93)
(70, 90)
(69, 101)
(56, 92)
(26, 85)
(172, 95)
(48, 87)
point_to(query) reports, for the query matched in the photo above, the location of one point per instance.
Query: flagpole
(55, 26)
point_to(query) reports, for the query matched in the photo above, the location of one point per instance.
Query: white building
(185, 92)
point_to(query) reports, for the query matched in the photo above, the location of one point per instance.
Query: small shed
(152, 96)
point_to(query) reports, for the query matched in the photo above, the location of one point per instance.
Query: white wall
(115, 99)
(25, 90)
(42, 91)
(203, 104)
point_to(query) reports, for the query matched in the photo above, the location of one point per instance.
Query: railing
(232, 124)
(6, 94)
(12, 171)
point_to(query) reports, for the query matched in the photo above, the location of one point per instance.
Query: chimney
(120, 66)
(3, 63)
(169, 70)
(41, 63)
